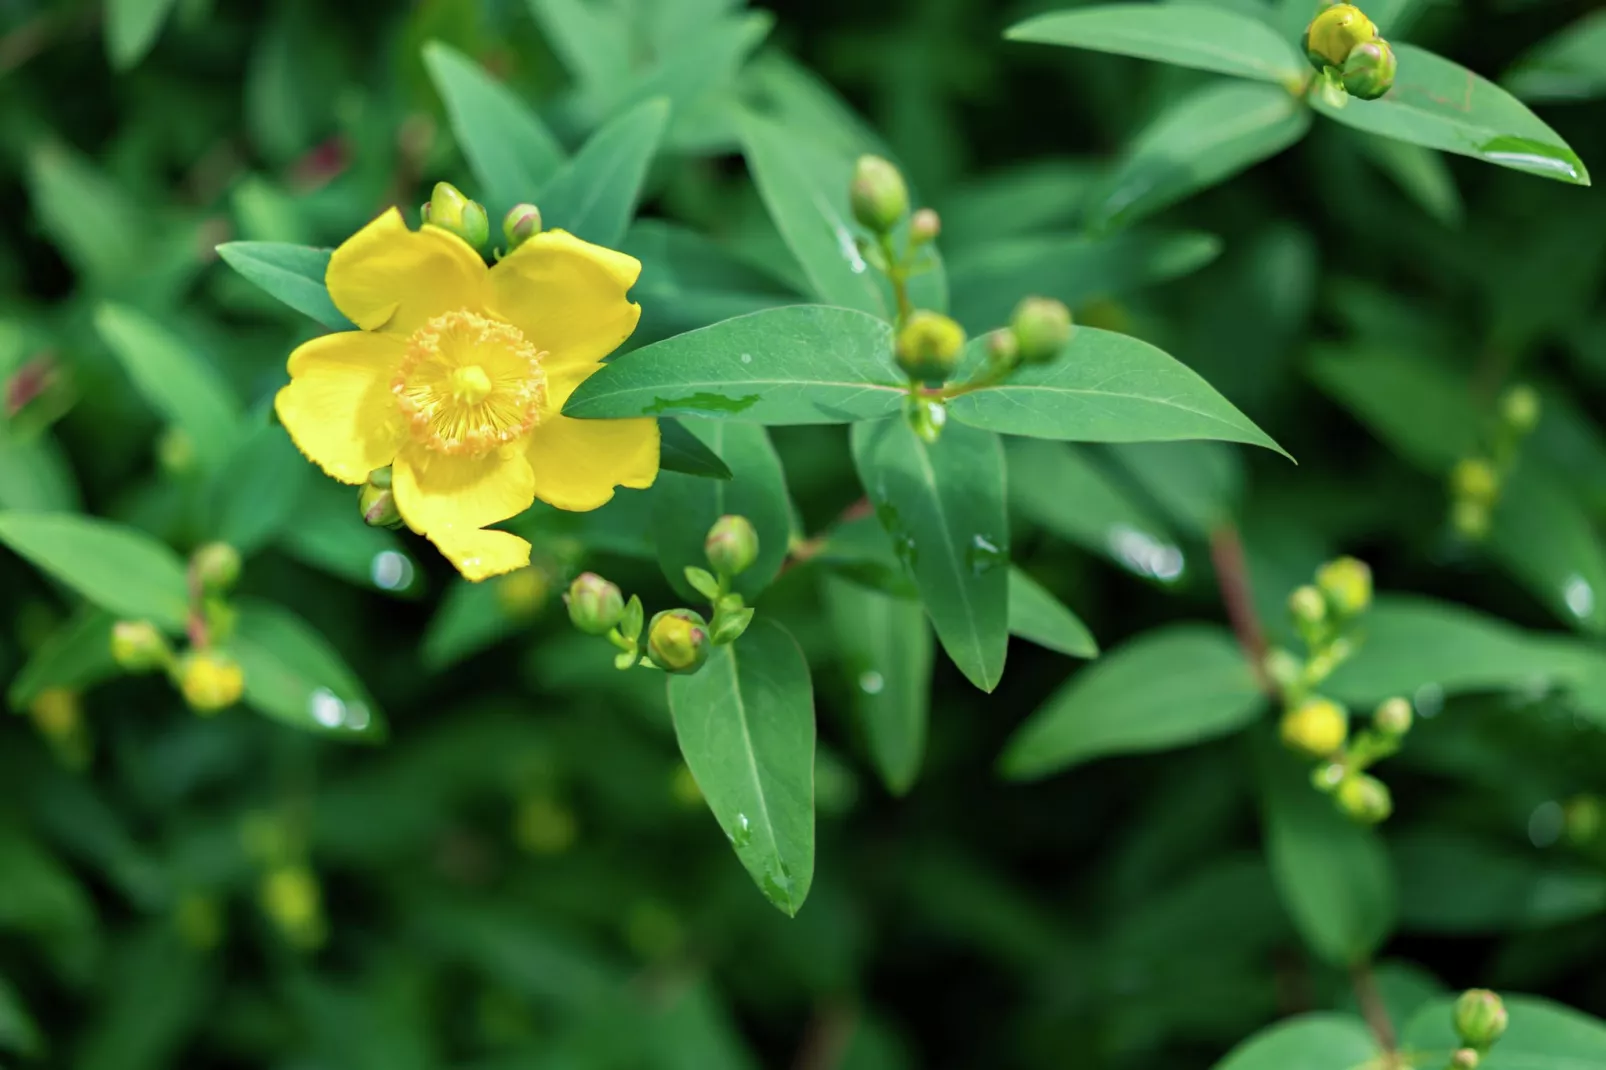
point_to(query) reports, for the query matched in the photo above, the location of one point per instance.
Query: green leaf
(1202, 36)
(471, 618)
(1419, 409)
(1026, 198)
(1541, 1036)
(807, 364)
(93, 221)
(1200, 141)
(18, 1032)
(745, 723)
(77, 655)
(1543, 536)
(1332, 873)
(1307, 1042)
(121, 570)
(1171, 687)
(1454, 884)
(35, 475)
(1421, 174)
(1442, 105)
(685, 507)
(293, 274)
(254, 495)
(329, 535)
(681, 451)
(132, 27)
(293, 675)
(1108, 387)
(594, 195)
(1038, 617)
(592, 40)
(1567, 66)
(886, 650)
(942, 504)
(1197, 484)
(509, 149)
(688, 281)
(176, 380)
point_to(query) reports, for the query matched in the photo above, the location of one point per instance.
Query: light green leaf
(1332, 873)
(591, 39)
(1442, 105)
(1108, 387)
(1543, 536)
(132, 27)
(292, 273)
(1541, 1036)
(34, 474)
(594, 195)
(1038, 617)
(124, 571)
(807, 364)
(254, 495)
(1419, 409)
(293, 675)
(1451, 883)
(1171, 687)
(1205, 37)
(745, 723)
(77, 655)
(1307, 1042)
(1421, 174)
(1200, 141)
(681, 451)
(942, 504)
(1567, 66)
(510, 150)
(887, 652)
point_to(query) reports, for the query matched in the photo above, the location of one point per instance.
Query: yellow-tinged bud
(1480, 1018)
(522, 222)
(377, 502)
(1584, 818)
(1519, 408)
(1307, 605)
(595, 605)
(1475, 480)
(291, 897)
(929, 345)
(175, 451)
(678, 640)
(55, 711)
(210, 680)
(877, 194)
(523, 592)
(450, 210)
(1334, 33)
(1393, 717)
(1317, 727)
(1465, 1059)
(137, 646)
(924, 226)
(1470, 519)
(1369, 70)
(732, 545)
(1042, 328)
(216, 566)
(1365, 799)
(1347, 583)
(544, 826)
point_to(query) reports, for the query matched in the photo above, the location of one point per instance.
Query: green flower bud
(732, 545)
(1465, 1059)
(1480, 1018)
(210, 680)
(377, 503)
(1334, 33)
(1307, 605)
(1042, 328)
(678, 640)
(924, 226)
(1475, 480)
(877, 194)
(1393, 717)
(1317, 727)
(450, 210)
(1584, 819)
(1369, 70)
(1365, 799)
(522, 222)
(1519, 408)
(216, 566)
(929, 345)
(595, 605)
(522, 592)
(137, 646)
(1347, 583)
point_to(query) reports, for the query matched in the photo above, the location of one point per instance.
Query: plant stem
(898, 275)
(1232, 576)
(808, 548)
(1372, 1008)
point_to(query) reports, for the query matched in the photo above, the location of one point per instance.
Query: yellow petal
(338, 407)
(439, 492)
(567, 296)
(577, 463)
(480, 554)
(388, 277)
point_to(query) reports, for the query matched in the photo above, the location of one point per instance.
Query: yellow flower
(458, 378)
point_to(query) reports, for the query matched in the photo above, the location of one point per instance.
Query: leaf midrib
(948, 545)
(752, 765)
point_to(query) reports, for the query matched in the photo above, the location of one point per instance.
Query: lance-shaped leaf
(594, 195)
(294, 274)
(120, 569)
(1038, 617)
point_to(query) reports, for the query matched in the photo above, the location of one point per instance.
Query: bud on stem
(595, 605)
(877, 194)
(929, 345)
(731, 545)
(1042, 328)
(1480, 1018)
(450, 210)
(678, 640)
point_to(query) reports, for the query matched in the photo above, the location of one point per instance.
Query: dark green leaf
(1457, 884)
(471, 618)
(292, 273)
(594, 195)
(1570, 65)
(1418, 408)
(1197, 484)
(681, 451)
(255, 494)
(77, 655)
(1421, 173)
(1543, 536)
(124, 571)
(293, 675)
(18, 1033)
(1038, 617)
(1308, 1042)
(90, 218)
(329, 535)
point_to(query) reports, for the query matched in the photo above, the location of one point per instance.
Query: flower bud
(1584, 819)
(595, 605)
(1465, 1059)
(137, 646)
(522, 222)
(522, 592)
(929, 345)
(55, 711)
(1307, 605)
(1480, 1018)
(1326, 777)
(1519, 408)
(678, 640)
(544, 826)
(377, 502)
(1393, 717)
(1003, 350)
(450, 210)
(1042, 328)
(1365, 799)
(1347, 583)
(1317, 727)
(210, 680)
(1475, 480)
(924, 226)
(292, 899)
(1334, 33)
(732, 545)
(216, 567)
(1369, 70)
(877, 194)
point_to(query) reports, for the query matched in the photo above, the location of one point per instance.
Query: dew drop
(1579, 595)
(983, 555)
(1428, 700)
(1144, 554)
(391, 571)
(850, 250)
(742, 834)
(327, 708)
(747, 358)
(871, 682)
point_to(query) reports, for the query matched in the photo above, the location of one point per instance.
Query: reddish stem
(1232, 575)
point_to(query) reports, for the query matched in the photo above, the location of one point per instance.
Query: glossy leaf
(681, 451)
(1306, 1042)
(594, 195)
(1541, 1035)
(121, 570)
(1108, 387)
(1205, 37)
(1200, 141)
(1442, 105)
(942, 504)
(294, 274)
(1038, 617)
(293, 675)
(255, 494)
(132, 27)
(77, 655)
(1171, 687)
(807, 364)
(1569, 66)
(745, 723)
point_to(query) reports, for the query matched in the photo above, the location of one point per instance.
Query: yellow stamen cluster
(469, 384)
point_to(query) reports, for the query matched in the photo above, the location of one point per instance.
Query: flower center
(469, 383)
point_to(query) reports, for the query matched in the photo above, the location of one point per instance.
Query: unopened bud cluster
(1344, 45)
(451, 210)
(1477, 481)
